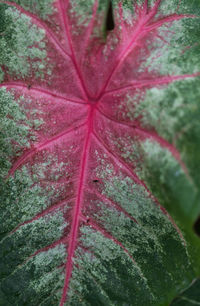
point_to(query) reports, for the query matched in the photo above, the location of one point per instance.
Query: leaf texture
(99, 151)
(190, 296)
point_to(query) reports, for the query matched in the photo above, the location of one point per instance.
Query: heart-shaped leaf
(99, 145)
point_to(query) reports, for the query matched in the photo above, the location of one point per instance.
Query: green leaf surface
(99, 153)
(190, 296)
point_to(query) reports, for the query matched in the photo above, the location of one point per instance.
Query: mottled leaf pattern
(99, 142)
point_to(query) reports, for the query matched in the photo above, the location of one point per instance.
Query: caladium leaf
(99, 155)
(190, 296)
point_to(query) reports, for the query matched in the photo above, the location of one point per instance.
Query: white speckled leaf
(99, 142)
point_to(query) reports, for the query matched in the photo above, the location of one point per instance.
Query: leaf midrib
(77, 208)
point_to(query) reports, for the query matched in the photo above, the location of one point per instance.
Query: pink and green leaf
(99, 142)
